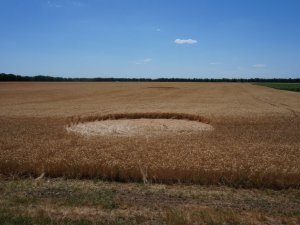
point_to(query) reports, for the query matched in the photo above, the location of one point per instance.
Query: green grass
(282, 86)
(106, 198)
(9, 218)
(86, 202)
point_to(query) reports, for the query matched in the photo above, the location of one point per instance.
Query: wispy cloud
(142, 61)
(158, 29)
(78, 4)
(64, 3)
(215, 63)
(260, 65)
(147, 60)
(185, 41)
(52, 4)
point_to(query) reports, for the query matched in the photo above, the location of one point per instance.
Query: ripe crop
(255, 141)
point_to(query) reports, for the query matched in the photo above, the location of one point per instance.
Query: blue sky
(151, 38)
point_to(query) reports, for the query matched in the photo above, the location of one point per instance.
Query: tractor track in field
(267, 101)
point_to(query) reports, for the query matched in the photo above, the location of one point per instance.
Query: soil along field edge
(90, 202)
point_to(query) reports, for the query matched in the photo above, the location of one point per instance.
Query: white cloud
(78, 4)
(63, 4)
(260, 65)
(142, 61)
(147, 60)
(185, 41)
(52, 4)
(214, 63)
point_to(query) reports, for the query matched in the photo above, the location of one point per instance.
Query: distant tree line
(13, 77)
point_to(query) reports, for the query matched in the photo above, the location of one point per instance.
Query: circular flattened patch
(131, 127)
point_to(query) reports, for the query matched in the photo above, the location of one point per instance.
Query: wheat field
(255, 141)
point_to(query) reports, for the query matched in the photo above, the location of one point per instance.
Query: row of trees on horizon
(13, 77)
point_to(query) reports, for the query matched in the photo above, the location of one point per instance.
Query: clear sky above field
(151, 38)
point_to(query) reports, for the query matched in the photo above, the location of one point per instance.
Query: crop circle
(143, 124)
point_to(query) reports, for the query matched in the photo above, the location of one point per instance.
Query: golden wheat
(255, 142)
